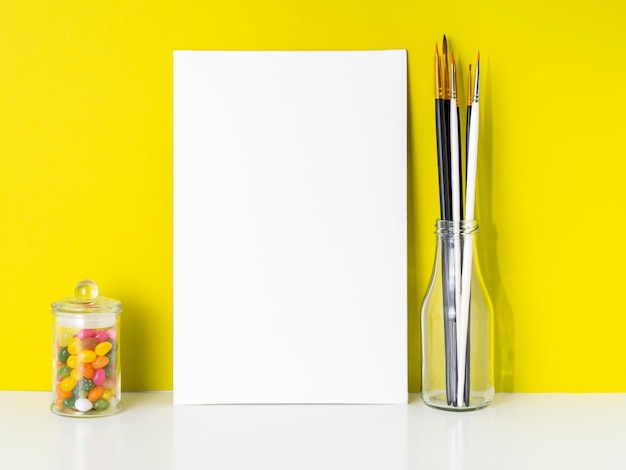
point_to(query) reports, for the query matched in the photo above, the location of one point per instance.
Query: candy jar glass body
(86, 372)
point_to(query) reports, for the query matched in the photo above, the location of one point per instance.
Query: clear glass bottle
(86, 373)
(456, 319)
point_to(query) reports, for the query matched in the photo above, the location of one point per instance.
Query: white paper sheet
(290, 282)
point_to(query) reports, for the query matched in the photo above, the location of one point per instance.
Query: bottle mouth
(449, 228)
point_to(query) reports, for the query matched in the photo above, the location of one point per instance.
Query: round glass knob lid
(86, 291)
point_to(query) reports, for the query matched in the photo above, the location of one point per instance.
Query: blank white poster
(290, 278)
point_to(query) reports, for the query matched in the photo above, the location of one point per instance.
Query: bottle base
(438, 399)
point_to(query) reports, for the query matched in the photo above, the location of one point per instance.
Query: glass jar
(456, 318)
(86, 374)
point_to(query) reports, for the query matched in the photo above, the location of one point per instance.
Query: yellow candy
(73, 346)
(106, 395)
(72, 361)
(68, 383)
(65, 337)
(103, 348)
(86, 355)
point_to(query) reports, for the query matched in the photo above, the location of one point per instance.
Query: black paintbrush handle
(443, 159)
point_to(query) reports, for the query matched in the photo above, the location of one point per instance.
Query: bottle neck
(453, 229)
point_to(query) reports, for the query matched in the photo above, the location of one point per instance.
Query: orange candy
(100, 362)
(62, 394)
(86, 370)
(95, 393)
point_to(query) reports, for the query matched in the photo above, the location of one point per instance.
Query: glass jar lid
(86, 301)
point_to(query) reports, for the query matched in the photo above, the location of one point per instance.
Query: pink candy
(101, 336)
(86, 333)
(99, 376)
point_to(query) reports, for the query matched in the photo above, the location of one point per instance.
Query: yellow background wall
(86, 167)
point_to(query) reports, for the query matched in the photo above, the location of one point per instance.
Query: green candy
(69, 402)
(101, 404)
(85, 384)
(110, 370)
(81, 390)
(64, 371)
(63, 355)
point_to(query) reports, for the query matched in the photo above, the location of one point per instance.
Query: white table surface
(518, 431)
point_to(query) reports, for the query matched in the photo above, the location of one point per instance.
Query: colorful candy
(63, 355)
(86, 355)
(68, 383)
(73, 346)
(95, 393)
(85, 363)
(99, 362)
(85, 333)
(101, 405)
(99, 377)
(101, 336)
(84, 384)
(89, 343)
(83, 404)
(65, 337)
(63, 372)
(69, 402)
(62, 394)
(103, 348)
(110, 370)
(72, 361)
(86, 370)
(109, 383)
